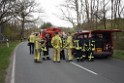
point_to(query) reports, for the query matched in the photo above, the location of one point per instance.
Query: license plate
(99, 49)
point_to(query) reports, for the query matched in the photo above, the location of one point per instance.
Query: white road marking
(84, 68)
(13, 69)
(12, 80)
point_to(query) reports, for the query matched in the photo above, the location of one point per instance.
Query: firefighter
(45, 47)
(78, 48)
(69, 45)
(57, 44)
(89, 47)
(31, 40)
(37, 49)
(62, 52)
(85, 47)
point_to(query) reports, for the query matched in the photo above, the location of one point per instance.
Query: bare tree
(87, 11)
(91, 11)
(104, 14)
(112, 10)
(73, 7)
(6, 11)
(96, 13)
(24, 10)
(104, 9)
(120, 9)
(67, 16)
(117, 9)
(77, 6)
(115, 13)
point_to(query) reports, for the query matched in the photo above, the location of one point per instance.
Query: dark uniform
(45, 49)
(31, 41)
(62, 53)
(78, 49)
(89, 47)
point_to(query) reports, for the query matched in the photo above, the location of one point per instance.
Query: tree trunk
(97, 14)
(23, 26)
(104, 14)
(87, 13)
(112, 14)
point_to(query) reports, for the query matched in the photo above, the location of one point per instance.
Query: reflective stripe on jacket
(69, 42)
(37, 43)
(31, 38)
(77, 46)
(56, 41)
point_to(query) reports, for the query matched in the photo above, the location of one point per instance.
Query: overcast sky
(51, 10)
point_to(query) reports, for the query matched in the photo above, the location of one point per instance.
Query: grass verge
(119, 54)
(5, 54)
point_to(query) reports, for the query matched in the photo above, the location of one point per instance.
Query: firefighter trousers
(90, 55)
(56, 56)
(79, 55)
(45, 55)
(31, 48)
(69, 53)
(37, 54)
(62, 54)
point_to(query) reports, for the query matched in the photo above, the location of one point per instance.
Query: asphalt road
(24, 70)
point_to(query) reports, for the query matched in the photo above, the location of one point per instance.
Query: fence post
(7, 43)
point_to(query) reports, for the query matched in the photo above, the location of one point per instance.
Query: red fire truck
(103, 41)
(50, 32)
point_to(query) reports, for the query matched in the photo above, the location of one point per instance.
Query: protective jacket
(31, 39)
(56, 41)
(69, 42)
(43, 45)
(37, 43)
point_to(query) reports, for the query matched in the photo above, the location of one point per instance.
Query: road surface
(24, 70)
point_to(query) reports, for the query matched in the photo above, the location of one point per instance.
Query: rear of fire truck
(103, 41)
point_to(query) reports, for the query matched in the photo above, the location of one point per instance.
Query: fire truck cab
(49, 32)
(103, 41)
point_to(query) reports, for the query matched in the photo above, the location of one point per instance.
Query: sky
(52, 13)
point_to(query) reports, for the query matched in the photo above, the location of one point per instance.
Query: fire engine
(50, 32)
(103, 41)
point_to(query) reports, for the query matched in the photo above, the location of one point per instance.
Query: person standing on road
(78, 48)
(89, 45)
(69, 45)
(45, 48)
(62, 52)
(37, 47)
(91, 48)
(57, 44)
(86, 46)
(31, 40)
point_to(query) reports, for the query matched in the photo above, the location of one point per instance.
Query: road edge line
(84, 68)
(12, 78)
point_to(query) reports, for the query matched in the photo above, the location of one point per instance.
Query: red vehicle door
(103, 42)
